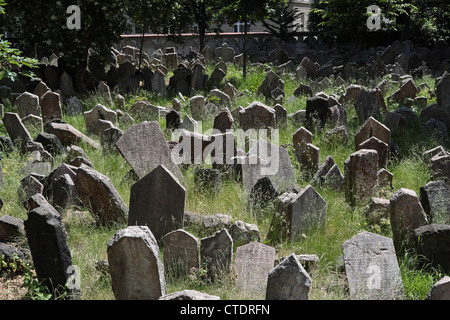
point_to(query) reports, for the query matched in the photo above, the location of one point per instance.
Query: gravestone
(68, 135)
(288, 281)
(373, 128)
(361, 176)
(316, 112)
(181, 252)
(157, 200)
(99, 112)
(16, 130)
(26, 104)
(257, 116)
(48, 245)
(243, 232)
(137, 272)
(440, 165)
(51, 107)
(158, 83)
(144, 148)
(366, 105)
(188, 295)
(270, 83)
(11, 228)
(223, 121)
(197, 105)
(435, 200)
(74, 107)
(432, 244)
(371, 267)
(29, 186)
(406, 214)
(442, 91)
(381, 147)
(253, 263)
(173, 120)
(440, 290)
(99, 196)
(216, 253)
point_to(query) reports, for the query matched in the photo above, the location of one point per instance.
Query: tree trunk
(244, 49)
(142, 47)
(201, 35)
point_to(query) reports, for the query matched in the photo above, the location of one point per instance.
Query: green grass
(88, 242)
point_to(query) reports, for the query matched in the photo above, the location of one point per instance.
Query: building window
(239, 27)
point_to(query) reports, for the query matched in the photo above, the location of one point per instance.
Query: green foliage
(344, 22)
(281, 21)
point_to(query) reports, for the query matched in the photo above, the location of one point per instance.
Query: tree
(152, 14)
(282, 20)
(204, 13)
(11, 59)
(42, 29)
(247, 12)
(345, 22)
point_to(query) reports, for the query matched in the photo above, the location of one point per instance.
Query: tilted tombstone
(288, 281)
(99, 112)
(137, 272)
(157, 200)
(181, 252)
(144, 147)
(381, 147)
(440, 290)
(252, 263)
(27, 103)
(406, 214)
(371, 267)
(48, 245)
(366, 105)
(435, 200)
(98, 194)
(373, 128)
(16, 130)
(216, 253)
(257, 116)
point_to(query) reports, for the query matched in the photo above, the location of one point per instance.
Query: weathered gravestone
(406, 214)
(99, 196)
(68, 135)
(257, 116)
(16, 130)
(435, 200)
(440, 290)
(157, 200)
(253, 263)
(51, 107)
(267, 159)
(432, 244)
(99, 112)
(371, 267)
(137, 272)
(366, 105)
(181, 252)
(48, 245)
(27, 103)
(144, 148)
(373, 128)
(10, 228)
(361, 176)
(301, 213)
(288, 281)
(216, 253)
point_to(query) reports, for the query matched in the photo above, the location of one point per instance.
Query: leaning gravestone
(288, 281)
(435, 200)
(373, 128)
(99, 195)
(144, 148)
(27, 103)
(253, 263)
(216, 253)
(440, 290)
(257, 116)
(406, 214)
(51, 107)
(16, 130)
(181, 252)
(137, 272)
(48, 245)
(372, 268)
(98, 112)
(157, 201)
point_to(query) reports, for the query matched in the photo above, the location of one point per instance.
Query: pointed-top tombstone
(157, 201)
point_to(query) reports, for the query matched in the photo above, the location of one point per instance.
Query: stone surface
(253, 263)
(137, 272)
(371, 267)
(98, 194)
(51, 107)
(10, 228)
(406, 214)
(361, 176)
(288, 281)
(16, 130)
(144, 148)
(26, 104)
(373, 128)
(257, 116)
(68, 135)
(99, 112)
(189, 295)
(157, 200)
(216, 253)
(435, 200)
(432, 244)
(440, 290)
(181, 252)
(48, 245)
